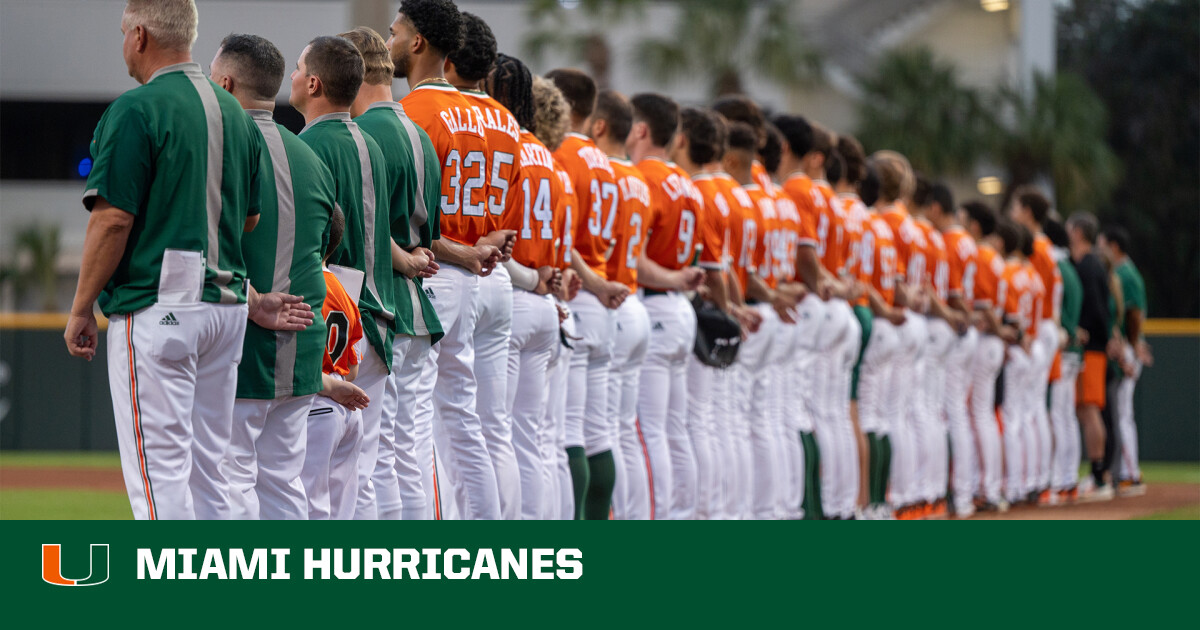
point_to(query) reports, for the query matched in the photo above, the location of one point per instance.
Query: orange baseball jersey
(761, 177)
(345, 328)
(742, 238)
(809, 202)
(788, 235)
(1017, 292)
(856, 218)
(596, 197)
(1038, 289)
(1047, 269)
(632, 221)
(878, 261)
(989, 269)
(504, 159)
(676, 208)
(539, 222)
(714, 224)
(568, 208)
(961, 255)
(910, 243)
(937, 270)
(831, 234)
(766, 224)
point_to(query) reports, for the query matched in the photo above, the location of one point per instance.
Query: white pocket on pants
(181, 280)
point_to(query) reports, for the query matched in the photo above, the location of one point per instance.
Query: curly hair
(705, 134)
(511, 84)
(551, 110)
(477, 55)
(438, 21)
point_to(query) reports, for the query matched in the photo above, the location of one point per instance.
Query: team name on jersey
(533, 154)
(634, 189)
(458, 120)
(494, 119)
(676, 187)
(595, 159)
(787, 209)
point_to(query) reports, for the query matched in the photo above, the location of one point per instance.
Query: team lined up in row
(532, 256)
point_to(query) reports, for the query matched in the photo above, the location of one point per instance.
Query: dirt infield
(1158, 498)
(39, 478)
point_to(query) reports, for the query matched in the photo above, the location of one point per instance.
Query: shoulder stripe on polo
(212, 191)
(368, 197)
(285, 247)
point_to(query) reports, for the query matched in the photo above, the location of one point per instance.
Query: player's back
(460, 140)
(741, 238)
(714, 221)
(809, 203)
(675, 210)
(878, 261)
(764, 220)
(989, 272)
(961, 254)
(568, 208)
(596, 197)
(1043, 263)
(632, 220)
(539, 223)
(504, 153)
(855, 222)
(937, 271)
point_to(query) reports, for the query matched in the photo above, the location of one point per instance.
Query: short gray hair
(1086, 223)
(172, 23)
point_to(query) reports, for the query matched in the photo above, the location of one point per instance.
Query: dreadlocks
(511, 83)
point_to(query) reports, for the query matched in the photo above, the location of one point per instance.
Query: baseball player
(466, 69)
(701, 138)
(1030, 208)
(416, 176)
(611, 122)
(664, 273)
(961, 258)
(1114, 244)
(535, 274)
(169, 205)
(880, 264)
(1015, 293)
(589, 426)
(324, 86)
(1065, 477)
(277, 376)
(423, 33)
(334, 432)
(980, 222)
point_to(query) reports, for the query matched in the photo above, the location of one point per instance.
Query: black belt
(752, 302)
(653, 292)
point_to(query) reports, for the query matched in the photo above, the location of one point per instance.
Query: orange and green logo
(52, 567)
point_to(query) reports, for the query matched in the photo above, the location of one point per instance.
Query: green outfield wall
(51, 401)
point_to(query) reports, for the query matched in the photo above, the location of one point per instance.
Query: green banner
(597, 574)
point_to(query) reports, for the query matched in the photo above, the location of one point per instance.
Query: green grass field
(65, 504)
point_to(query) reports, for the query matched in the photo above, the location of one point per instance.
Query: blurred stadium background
(1097, 100)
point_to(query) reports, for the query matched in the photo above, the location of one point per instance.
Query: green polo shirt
(181, 155)
(1072, 302)
(1134, 290)
(363, 183)
(283, 254)
(413, 163)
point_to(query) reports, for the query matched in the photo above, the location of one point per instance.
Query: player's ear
(226, 83)
(417, 44)
(314, 85)
(140, 38)
(599, 128)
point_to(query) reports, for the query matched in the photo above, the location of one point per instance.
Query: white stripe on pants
(171, 440)
(265, 458)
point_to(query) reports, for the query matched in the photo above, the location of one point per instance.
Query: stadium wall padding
(50, 401)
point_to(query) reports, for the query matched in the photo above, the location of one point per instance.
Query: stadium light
(992, 6)
(990, 186)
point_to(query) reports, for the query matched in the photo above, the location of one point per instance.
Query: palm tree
(35, 264)
(916, 104)
(555, 31)
(724, 39)
(1058, 130)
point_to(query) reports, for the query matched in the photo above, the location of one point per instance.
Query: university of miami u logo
(52, 567)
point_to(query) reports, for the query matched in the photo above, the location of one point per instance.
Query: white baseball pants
(1044, 349)
(466, 476)
(989, 358)
(265, 458)
(534, 336)
(1016, 423)
(905, 425)
(330, 474)
(935, 447)
(1129, 468)
(958, 420)
(173, 441)
(492, 330)
(631, 497)
(560, 504)
(662, 405)
(758, 405)
(399, 470)
(1067, 446)
(373, 379)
